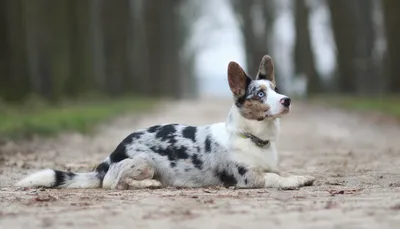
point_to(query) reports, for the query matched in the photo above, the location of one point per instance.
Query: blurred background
(54, 51)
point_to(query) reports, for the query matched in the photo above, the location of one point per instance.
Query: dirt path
(354, 157)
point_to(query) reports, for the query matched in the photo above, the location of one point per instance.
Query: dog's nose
(285, 102)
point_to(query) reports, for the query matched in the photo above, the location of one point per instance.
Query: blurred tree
(38, 49)
(190, 11)
(97, 46)
(303, 55)
(68, 48)
(116, 25)
(163, 47)
(170, 84)
(80, 79)
(355, 38)
(60, 47)
(392, 25)
(15, 84)
(344, 30)
(138, 57)
(252, 14)
(243, 14)
(365, 62)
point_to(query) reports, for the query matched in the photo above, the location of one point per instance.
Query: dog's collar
(259, 142)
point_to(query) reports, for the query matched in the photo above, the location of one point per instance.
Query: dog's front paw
(295, 182)
(141, 184)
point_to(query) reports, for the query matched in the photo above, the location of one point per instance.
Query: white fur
(43, 178)
(46, 178)
(243, 150)
(273, 100)
(82, 180)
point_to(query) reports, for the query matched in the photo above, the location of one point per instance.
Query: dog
(240, 153)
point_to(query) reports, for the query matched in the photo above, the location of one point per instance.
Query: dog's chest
(244, 151)
(262, 158)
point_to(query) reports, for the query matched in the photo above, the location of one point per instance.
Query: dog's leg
(258, 179)
(131, 174)
(273, 180)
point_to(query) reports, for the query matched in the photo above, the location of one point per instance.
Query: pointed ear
(237, 78)
(266, 69)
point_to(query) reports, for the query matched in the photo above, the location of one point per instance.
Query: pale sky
(221, 37)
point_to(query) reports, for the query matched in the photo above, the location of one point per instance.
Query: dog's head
(257, 99)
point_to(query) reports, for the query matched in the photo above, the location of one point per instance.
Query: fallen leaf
(334, 182)
(330, 204)
(396, 207)
(396, 184)
(334, 192)
(44, 197)
(208, 191)
(342, 192)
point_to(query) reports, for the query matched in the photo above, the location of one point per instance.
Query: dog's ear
(266, 69)
(237, 78)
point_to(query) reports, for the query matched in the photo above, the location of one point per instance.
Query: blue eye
(261, 94)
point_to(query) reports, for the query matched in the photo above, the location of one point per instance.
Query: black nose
(285, 102)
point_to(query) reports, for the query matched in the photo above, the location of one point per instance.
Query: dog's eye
(276, 90)
(261, 94)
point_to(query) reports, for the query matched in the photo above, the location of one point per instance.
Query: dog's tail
(50, 178)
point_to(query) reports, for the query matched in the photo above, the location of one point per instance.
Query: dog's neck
(267, 129)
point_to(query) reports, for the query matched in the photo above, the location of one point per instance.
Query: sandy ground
(355, 158)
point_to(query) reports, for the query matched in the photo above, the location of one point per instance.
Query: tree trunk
(81, 78)
(163, 50)
(251, 45)
(365, 41)
(15, 83)
(344, 31)
(255, 42)
(61, 54)
(392, 25)
(303, 56)
(40, 37)
(71, 47)
(152, 21)
(97, 45)
(137, 51)
(116, 25)
(171, 50)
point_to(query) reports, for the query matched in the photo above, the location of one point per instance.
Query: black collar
(259, 142)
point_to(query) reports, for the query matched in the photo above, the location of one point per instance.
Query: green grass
(385, 105)
(81, 116)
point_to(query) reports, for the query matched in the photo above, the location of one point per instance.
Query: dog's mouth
(284, 111)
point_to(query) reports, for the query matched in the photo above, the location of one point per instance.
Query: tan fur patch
(253, 109)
